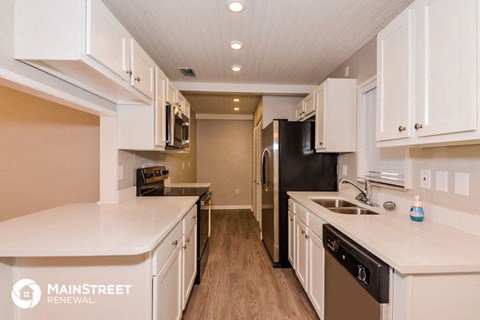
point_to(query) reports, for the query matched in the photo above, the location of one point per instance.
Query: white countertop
(189, 184)
(131, 227)
(407, 246)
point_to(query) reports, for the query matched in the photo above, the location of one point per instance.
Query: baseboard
(232, 207)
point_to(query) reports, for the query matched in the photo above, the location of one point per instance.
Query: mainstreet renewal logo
(26, 293)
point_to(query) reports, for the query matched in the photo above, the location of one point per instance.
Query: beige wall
(278, 107)
(224, 158)
(50, 154)
(182, 166)
(465, 159)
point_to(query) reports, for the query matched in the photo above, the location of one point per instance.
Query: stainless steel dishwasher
(356, 281)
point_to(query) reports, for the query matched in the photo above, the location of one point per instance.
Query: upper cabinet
(144, 127)
(427, 75)
(335, 116)
(83, 43)
(305, 108)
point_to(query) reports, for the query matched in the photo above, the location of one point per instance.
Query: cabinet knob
(194, 217)
(174, 243)
(303, 232)
(418, 126)
(184, 247)
(320, 143)
(402, 128)
(188, 240)
(137, 79)
(129, 72)
(306, 236)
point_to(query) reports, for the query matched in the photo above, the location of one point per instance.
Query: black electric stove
(151, 183)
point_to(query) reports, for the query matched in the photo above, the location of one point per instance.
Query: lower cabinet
(167, 285)
(301, 241)
(174, 269)
(305, 231)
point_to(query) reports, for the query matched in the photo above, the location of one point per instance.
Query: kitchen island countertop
(131, 227)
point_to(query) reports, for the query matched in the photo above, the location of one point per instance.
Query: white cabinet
(180, 101)
(394, 81)
(170, 94)
(144, 127)
(174, 269)
(189, 255)
(309, 262)
(301, 250)
(167, 278)
(305, 108)
(316, 267)
(186, 108)
(291, 239)
(427, 71)
(335, 116)
(83, 43)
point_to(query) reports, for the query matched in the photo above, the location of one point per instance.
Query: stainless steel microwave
(178, 128)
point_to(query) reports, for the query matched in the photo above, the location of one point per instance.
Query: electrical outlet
(425, 178)
(120, 172)
(237, 191)
(344, 169)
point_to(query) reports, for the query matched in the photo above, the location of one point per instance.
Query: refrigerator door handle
(264, 177)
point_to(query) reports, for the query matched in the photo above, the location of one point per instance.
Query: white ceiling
(297, 42)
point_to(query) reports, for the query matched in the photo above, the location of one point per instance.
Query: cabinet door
(167, 289)
(299, 111)
(181, 101)
(309, 104)
(394, 80)
(160, 116)
(445, 73)
(171, 93)
(189, 262)
(320, 117)
(187, 108)
(301, 243)
(107, 40)
(142, 70)
(291, 239)
(316, 272)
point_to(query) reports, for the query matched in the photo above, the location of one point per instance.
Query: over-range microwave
(178, 128)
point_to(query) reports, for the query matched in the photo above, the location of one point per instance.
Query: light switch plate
(441, 181)
(425, 178)
(462, 183)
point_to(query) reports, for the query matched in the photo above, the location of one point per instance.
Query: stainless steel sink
(352, 210)
(342, 206)
(333, 203)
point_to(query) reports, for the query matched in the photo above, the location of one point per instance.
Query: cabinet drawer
(166, 248)
(315, 224)
(291, 205)
(301, 213)
(189, 218)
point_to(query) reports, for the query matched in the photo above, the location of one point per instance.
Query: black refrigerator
(289, 163)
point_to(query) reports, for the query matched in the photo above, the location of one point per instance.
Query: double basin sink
(342, 207)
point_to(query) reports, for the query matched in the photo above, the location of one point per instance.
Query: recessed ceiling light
(236, 108)
(236, 100)
(236, 45)
(236, 6)
(236, 67)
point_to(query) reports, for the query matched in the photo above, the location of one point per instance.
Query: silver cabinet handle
(402, 128)
(418, 126)
(175, 242)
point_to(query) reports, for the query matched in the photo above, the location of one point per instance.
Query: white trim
(206, 116)
(232, 207)
(263, 89)
(18, 82)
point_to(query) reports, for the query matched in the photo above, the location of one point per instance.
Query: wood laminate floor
(239, 280)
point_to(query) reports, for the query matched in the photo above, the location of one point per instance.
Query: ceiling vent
(188, 72)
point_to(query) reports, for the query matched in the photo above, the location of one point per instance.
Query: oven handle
(205, 199)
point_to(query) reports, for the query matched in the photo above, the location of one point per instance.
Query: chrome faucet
(365, 194)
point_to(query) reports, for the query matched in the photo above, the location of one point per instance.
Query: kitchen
(443, 169)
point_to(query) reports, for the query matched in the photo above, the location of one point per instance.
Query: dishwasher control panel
(369, 271)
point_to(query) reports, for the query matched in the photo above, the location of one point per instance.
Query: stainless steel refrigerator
(289, 163)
